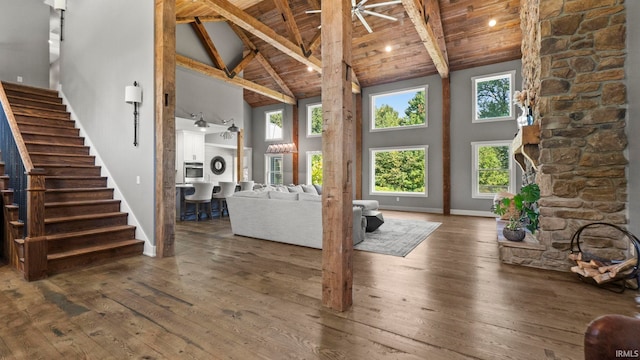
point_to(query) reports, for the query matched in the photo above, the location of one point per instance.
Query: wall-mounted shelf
(525, 146)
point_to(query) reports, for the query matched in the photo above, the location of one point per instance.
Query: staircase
(83, 222)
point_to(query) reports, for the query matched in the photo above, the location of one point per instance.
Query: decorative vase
(513, 235)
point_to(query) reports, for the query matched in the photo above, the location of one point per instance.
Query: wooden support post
(165, 124)
(446, 146)
(337, 137)
(358, 136)
(294, 138)
(35, 244)
(240, 155)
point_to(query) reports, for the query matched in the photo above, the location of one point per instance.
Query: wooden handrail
(35, 241)
(15, 130)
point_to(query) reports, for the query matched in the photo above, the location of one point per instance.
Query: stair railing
(28, 184)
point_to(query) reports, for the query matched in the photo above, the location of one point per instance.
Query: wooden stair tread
(83, 217)
(28, 132)
(81, 202)
(65, 155)
(29, 89)
(67, 122)
(83, 233)
(78, 189)
(18, 97)
(41, 165)
(53, 111)
(92, 249)
(51, 126)
(75, 177)
(50, 144)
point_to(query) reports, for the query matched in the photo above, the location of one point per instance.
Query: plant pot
(513, 235)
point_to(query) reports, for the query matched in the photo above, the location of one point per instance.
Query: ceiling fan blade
(368, 12)
(394, 2)
(364, 22)
(361, 3)
(313, 11)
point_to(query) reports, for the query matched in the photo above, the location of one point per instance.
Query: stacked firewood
(601, 272)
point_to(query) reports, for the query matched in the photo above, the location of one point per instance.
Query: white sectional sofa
(292, 218)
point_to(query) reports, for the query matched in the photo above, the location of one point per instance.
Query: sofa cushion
(309, 197)
(318, 188)
(295, 188)
(282, 195)
(310, 189)
(252, 194)
(367, 204)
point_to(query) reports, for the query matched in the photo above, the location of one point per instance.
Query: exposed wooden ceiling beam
(210, 48)
(263, 61)
(432, 13)
(190, 19)
(416, 13)
(243, 63)
(267, 34)
(290, 22)
(205, 69)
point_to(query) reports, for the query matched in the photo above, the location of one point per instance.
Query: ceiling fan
(358, 9)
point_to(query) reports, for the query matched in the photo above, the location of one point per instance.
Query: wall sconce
(62, 6)
(133, 94)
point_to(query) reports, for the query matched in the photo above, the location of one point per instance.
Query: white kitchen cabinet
(190, 146)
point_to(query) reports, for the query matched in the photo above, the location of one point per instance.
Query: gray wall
(24, 50)
(106, 48)
(633, 127)
(463, 132)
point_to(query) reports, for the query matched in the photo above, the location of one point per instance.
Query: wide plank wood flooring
(229, 297)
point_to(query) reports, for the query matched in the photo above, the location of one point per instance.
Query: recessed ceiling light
(492, 22)
(309, 69)
(388, 48)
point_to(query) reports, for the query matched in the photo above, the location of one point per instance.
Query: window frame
(267, 118)
(372, 168)
(309, 155)
(475, 146)
(372, 108)
(310, 108)
(267, 167)
(474, 96)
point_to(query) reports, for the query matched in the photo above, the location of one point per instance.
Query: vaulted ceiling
(278, 55)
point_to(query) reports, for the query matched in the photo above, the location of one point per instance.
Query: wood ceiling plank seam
(209, 46)
(205, 69)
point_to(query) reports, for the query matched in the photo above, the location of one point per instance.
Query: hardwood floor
(228, 297)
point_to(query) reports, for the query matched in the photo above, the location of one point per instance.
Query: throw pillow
(310, 189)
(318, 188)
(295, 189)
(282, 195)
(252, 194)
(309, 197)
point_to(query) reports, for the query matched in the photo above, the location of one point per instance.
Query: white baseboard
(473, 213)
(439, 211)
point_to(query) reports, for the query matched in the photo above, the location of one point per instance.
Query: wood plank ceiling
(469, 42)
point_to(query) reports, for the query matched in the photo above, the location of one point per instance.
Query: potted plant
(526, 213)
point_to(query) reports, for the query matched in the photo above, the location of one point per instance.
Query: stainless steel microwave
(193, 171)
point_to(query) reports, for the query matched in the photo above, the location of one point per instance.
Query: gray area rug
(397, 237)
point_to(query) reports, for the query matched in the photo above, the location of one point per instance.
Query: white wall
(24, 50)
(107, 46)
(633, 127)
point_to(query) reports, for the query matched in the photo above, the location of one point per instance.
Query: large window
(314, 167)
(314, 120)
(399, 109)
(399, 171)
(273, 128)
(492, 96)
(493, 169)
(273, 166)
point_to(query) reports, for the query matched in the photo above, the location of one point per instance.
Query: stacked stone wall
(581, 109)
